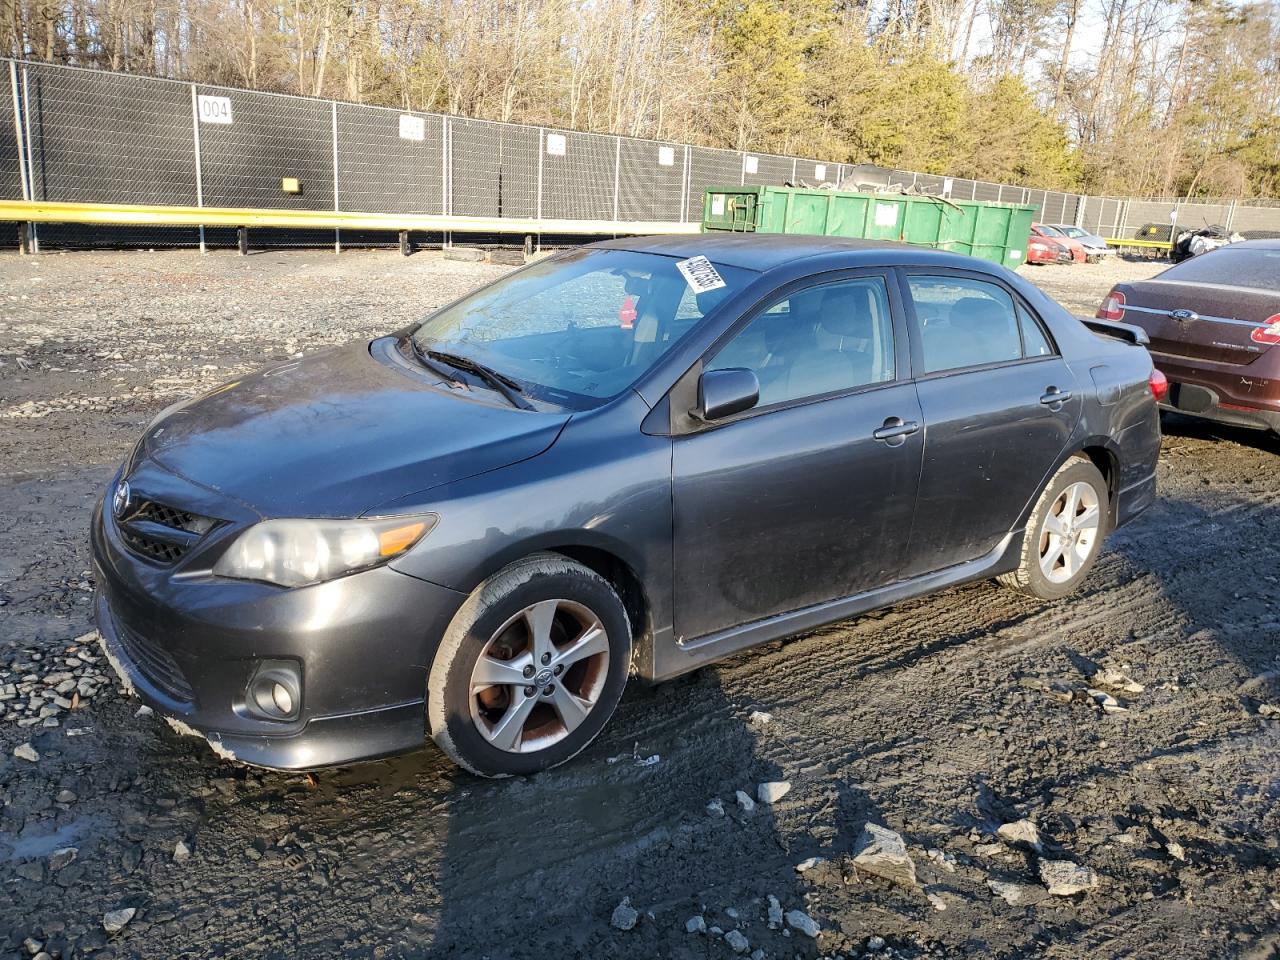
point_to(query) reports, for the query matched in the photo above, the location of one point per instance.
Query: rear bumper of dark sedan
(189, 646)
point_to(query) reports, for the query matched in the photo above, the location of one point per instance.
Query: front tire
(1064, 533)
(530, 669)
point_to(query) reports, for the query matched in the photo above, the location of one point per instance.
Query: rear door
(999, 404)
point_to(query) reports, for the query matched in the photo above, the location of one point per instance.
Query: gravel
(945, 717)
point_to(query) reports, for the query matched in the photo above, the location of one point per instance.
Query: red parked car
(1078, 253)
(1046, 250)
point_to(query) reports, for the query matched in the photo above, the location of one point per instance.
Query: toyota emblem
(120, 499)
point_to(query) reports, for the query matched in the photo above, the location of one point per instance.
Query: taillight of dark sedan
(634, 458)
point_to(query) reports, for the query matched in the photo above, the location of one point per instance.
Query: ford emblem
(120, 499)
(1183, 316)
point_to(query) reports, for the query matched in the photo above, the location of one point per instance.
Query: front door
(1000, 405)
(809, 496)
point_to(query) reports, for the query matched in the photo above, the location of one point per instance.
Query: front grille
(155, 549)
(168, 516)
(145, 529)
(155, 663)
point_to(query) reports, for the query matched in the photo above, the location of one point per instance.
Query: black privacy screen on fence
(87, 136)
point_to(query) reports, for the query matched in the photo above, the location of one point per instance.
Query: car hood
(338, 433)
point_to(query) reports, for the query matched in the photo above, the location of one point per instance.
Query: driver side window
(825, 339)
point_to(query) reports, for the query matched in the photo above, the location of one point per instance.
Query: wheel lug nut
(559, 669)
(530, 691)
(546, 658)
(550, 689)
(528, 672)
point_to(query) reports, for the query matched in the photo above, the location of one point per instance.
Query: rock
(775, 913)
(744, 801)
(695, 925)
(144, 711)
(946, 861)
(181, 852)
(1014, 894)
(810, 863)
(113, 921)
(731, 913)
(715, 807)
(875, 944)
(32, 945)
(1106, 701)
(1175, 850)
(759, 718)
(758, 954)
(1064, 878)
(62, 857)
(938, 903)
(800, 921)
(737, 941)
(1020, 833)
(883, 853)
(624, 915)
(1116, 680)
(773, 791)
(25, 751)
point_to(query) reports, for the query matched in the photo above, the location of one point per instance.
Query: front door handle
(1053, 397)
(895, 431)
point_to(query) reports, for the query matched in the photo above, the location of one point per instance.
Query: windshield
(582, 326)
(1051, 231)
(1254, 267)
(1074, 232)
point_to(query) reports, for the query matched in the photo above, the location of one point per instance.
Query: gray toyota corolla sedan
(630, 459)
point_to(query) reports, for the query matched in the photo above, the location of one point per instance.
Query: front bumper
(187, 644)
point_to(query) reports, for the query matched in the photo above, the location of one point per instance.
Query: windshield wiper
(503, 384)
(435, 366)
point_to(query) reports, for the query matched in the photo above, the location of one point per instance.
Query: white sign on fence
(666, 156)
(555, 144)
(750, 164)
(213, 109)
(820, 172)
(412, 128)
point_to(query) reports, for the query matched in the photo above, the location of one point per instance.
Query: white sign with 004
(412, 128)
(213, 109)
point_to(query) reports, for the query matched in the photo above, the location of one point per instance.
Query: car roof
(1269, 244)
(765, 251)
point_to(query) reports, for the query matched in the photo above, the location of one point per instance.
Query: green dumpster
(992, 231)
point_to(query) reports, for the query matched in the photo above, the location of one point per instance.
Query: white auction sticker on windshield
(700, 274)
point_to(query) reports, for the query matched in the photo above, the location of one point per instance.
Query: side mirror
(722, 393)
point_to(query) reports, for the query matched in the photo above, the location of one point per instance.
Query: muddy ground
(940, 719)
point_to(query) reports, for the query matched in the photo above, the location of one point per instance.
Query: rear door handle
(896, 430)
(1054, 395)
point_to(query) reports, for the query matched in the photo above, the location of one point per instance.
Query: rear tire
(1064, 533)
(530, 669)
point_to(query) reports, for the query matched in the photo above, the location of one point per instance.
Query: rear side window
(1236, 267)
(964, 323)
(1034, 342)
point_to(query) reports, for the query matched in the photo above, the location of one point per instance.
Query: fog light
(274, 691)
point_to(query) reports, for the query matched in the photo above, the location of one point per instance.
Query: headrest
(979, 315)
(846, 311)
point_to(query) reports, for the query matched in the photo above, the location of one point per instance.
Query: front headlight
(294, 553)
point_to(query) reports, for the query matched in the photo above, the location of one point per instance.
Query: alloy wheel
(539, 676)
(1069, 532)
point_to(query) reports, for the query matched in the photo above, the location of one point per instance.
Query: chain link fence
(75, 135)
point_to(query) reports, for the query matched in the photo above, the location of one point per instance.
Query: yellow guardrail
(1121, 242)
(144, 215)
